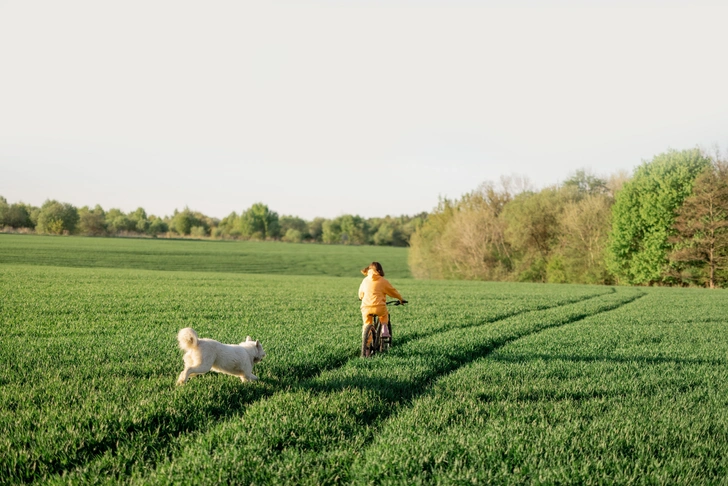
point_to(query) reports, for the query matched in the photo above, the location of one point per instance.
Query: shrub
(293, 236)
(198, 231)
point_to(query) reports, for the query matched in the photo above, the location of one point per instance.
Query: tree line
(258, 222)
(667, 224)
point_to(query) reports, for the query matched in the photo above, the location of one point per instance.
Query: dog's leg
(189, 360)
(188, 373)
(250, 377)
(182, 377)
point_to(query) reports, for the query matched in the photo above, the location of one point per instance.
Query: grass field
(200, 255)
(487, 382)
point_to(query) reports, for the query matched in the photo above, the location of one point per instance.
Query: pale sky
(324, 108)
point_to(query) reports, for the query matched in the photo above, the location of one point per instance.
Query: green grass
(487, 382)
(201, 255)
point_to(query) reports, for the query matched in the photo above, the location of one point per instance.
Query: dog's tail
(187, 338)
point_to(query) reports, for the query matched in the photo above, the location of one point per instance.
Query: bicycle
(374, 339)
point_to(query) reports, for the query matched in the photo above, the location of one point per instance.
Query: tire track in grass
(308, 372)
(501, 317)
(314, 432)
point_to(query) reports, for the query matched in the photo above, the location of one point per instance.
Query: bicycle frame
(372, 340)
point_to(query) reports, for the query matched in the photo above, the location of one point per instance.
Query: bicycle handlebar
(396, 302)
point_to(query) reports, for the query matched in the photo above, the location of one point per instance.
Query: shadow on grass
(158, 428)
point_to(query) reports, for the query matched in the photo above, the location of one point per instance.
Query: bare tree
(616, 181)
(701, 226)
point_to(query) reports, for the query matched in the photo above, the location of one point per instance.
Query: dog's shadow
(225, 396)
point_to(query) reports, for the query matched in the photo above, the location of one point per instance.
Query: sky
(331, 107)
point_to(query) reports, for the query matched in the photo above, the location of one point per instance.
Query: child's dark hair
(376, 266)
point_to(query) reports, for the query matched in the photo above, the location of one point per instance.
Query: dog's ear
(248, 338)
(257, 344)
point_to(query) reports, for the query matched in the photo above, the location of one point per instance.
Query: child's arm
(392, 292)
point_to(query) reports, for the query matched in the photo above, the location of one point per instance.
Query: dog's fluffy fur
(203, 355)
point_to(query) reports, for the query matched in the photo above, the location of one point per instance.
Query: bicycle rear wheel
(386, 342)
(368, 341)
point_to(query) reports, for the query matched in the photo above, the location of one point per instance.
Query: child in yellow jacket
(373, 293)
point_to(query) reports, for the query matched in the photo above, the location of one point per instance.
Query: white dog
(203, 355)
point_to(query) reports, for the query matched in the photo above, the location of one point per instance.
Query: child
(373, 293)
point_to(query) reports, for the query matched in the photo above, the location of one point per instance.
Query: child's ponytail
(376, 266)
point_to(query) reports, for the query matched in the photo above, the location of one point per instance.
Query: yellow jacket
(374, 290)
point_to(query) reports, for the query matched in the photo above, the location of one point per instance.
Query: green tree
(230, 226)
(346, 229)
(331, 231)
(384, 235)
(16, 215)
(57, 218)
(139, 221)
(34, 215)
(408, 226)
(118, 222)
(157, 226)
(183, 221)
(259, 222)
(316, 229)
(4, 206)
(643, 216)
(354, 230)
(394, 231)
